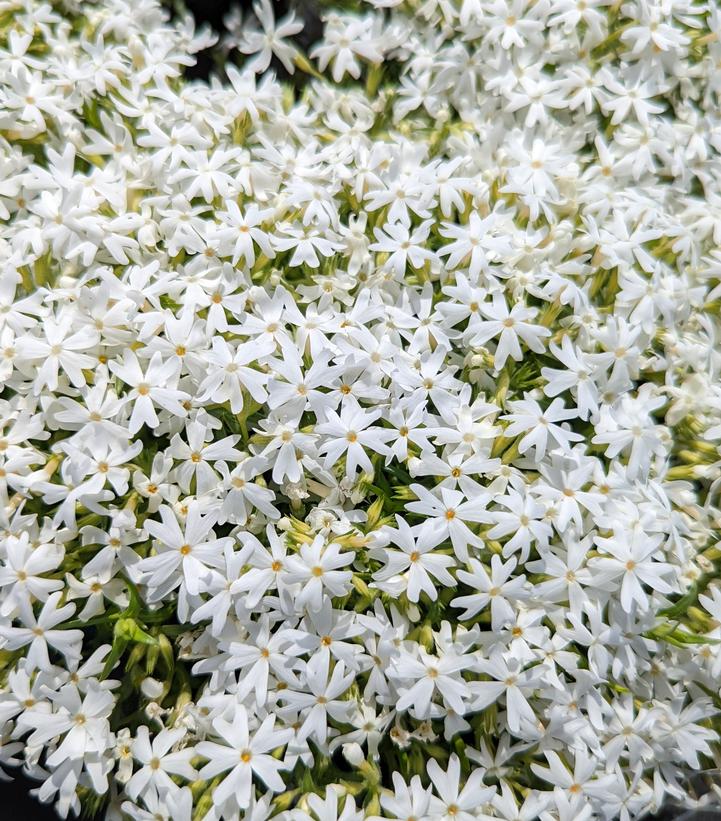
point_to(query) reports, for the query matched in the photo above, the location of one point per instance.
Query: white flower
(150, 389)
(415, 560)
(316, 568)
(403, 245)
(59, 349)
(268, 567)
(454, 802)
(422, 677)
(473, 244)
(182, 555)
(229, 373)
(499, 590)
(408, 800)
(510, 681)
(242, 231)
(269, 42)
(447, 516)
(583, 779)
(323, 701)
(349, 433)
(577, 376)
(345, 40)
(83, 725)
(40, 633)
(511, 327)
(245, 754)
(158, 762)
(307, 242)
(196, 455)
(537, 424)
(630, 555)
(23, 572)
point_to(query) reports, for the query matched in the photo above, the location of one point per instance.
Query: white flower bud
(353, 753)
(151, 688)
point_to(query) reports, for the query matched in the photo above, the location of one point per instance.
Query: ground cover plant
(360, 410)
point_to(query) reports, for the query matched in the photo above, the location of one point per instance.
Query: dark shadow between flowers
(16, 803)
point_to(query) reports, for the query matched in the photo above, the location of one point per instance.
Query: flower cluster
(360, 430)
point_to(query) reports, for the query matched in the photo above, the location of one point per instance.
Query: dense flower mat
(359, 432)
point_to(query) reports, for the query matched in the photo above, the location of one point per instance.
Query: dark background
(16, 804)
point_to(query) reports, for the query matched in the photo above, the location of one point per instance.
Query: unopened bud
(151, 688)
(353, 753)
